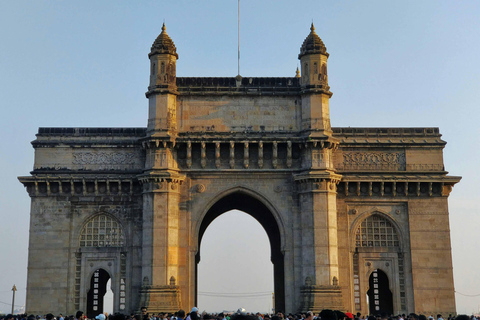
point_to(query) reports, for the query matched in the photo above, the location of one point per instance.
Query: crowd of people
(240, 314)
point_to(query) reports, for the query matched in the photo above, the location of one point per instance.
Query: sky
(392, 64)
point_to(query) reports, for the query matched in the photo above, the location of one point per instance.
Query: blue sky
(84, 63)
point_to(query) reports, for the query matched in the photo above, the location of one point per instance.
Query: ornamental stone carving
(104, 158)
(200, 188)
(374, 160)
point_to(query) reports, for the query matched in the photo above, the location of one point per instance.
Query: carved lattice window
(376, 231)
(102, 231)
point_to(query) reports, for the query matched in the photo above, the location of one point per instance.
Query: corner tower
(317, 183)
(162, 90)
(162, 182)
(314, 81)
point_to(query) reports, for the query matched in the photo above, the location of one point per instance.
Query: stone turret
(162, 90)
(313, 56)
(315, 90)
(163, 59)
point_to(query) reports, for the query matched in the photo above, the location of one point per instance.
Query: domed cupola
(312, 44)
(163, 44)
(313, 60)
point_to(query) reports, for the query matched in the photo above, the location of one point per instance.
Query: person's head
(340, 315)
(143, 310)
(181, 314)
(9, 317)
(194, 314)
(79, 315)
(241, 314)
(309, 315)
(101, 316)
(328, 315)
(49, 316)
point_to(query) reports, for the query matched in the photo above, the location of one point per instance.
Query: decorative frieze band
(391, 161)
(104, 158)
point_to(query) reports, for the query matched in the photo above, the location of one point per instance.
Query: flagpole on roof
(238, 37)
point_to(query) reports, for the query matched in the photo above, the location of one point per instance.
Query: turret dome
(163, 44)
(312, 44)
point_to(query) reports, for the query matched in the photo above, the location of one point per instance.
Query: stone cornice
(400, 188)
(407, 177)
(84, 185)
(390, 137)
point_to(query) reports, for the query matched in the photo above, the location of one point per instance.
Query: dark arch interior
(379, 294)
(248, 204)
(98, 288)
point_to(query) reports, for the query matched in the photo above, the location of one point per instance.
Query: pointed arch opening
(96, 294)
(247, 203)
(379, 294)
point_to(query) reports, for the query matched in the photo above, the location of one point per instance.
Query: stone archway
(247, 203)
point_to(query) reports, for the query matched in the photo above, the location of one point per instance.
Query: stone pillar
(317, 201)
(160, 248)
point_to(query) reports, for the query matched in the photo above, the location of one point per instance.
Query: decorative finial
(297, 74)
(312, 28)
(163, 27)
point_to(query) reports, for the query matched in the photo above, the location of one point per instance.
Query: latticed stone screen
(376, 231)
(102, 231)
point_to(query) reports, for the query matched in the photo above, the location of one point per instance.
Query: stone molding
(73, 186)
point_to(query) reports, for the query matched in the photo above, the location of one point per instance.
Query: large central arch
(248, 203)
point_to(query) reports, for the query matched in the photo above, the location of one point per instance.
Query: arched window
(376, 231)
(102, 231)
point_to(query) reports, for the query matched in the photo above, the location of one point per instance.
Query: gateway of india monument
(357, 218)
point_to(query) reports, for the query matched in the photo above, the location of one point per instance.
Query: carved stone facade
(348, 211)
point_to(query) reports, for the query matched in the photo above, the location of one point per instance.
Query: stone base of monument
(165, 299)
(317, 298)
